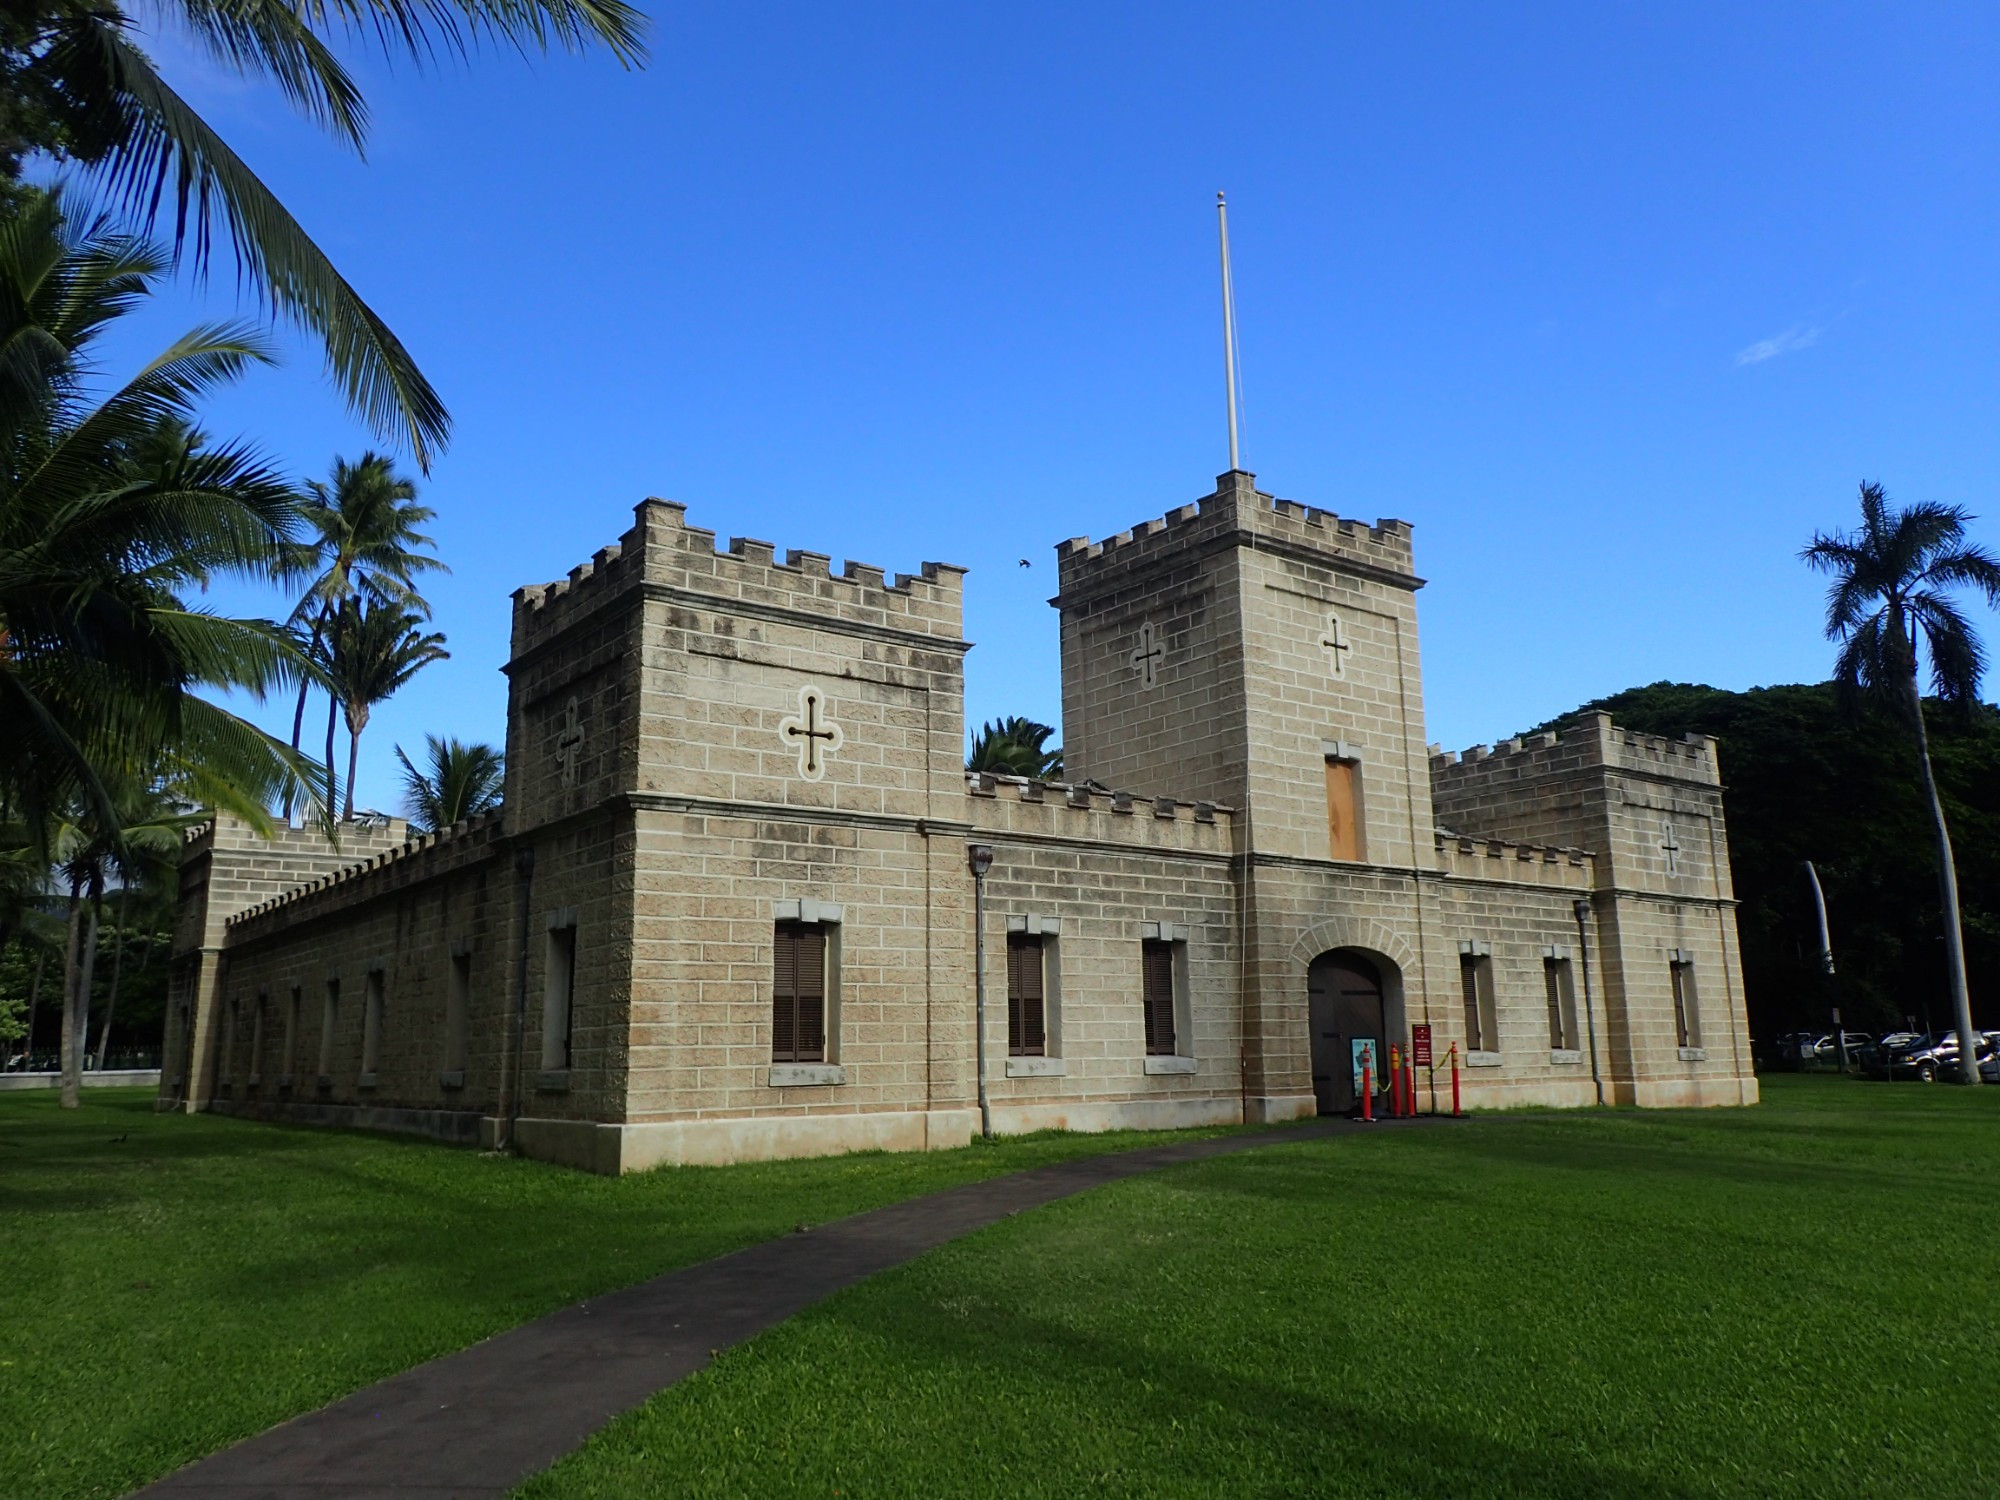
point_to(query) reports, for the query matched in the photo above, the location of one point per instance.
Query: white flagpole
(1228, 330)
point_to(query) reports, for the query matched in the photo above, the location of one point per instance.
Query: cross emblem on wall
(1146, 660)
(1336, 645)
(812, 731)
(569, 742)
(1672, 848)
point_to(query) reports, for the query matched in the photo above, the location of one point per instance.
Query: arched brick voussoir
(1352, 932)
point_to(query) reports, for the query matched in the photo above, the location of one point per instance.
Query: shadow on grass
(1156, 1409)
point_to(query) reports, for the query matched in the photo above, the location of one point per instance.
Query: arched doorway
(1345, 1004)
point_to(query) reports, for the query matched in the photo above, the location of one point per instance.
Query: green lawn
(1797, 1300)
(174, 1283)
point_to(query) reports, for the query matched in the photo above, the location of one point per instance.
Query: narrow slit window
(457, 1001)
(1687, 1015)
(559, 1000)
(257, 1038)
(293, 1010)
(371, 1024)
(1157, 960)
(1027, 999)
(328, 1026)
(1343, 810)
(1561, 985)
(798, 993)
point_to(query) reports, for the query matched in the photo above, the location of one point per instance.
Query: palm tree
(1891, 599)
(1015, 747)
(106, 520)
(93, 98)
(363, 541)
(150, 825)
(375, 650)
(459, 781)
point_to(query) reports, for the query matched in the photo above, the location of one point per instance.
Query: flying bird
(1025, 563)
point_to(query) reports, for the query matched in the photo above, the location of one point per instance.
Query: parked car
(1938, 1058)
(1827, 1048)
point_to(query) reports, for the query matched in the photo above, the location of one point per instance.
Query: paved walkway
(477, 1423)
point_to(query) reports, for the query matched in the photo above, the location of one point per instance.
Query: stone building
(726, 911)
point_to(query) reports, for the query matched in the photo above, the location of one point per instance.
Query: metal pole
(1582, 909)
(980, 858)
(1228, 329)
(1826, 956)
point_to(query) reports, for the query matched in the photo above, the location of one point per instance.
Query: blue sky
(1616, 304)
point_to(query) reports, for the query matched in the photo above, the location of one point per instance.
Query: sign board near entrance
(1365, 1057)
(1420, 1047)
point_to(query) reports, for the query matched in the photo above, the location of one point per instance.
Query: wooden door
(1344, 1002)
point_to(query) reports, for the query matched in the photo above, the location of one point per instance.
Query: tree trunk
(305, 686)
(1954, 937)
(34, 999)
(332, 709)
(117, 968)
(353, 754)
(71, 1054)
(93, 913)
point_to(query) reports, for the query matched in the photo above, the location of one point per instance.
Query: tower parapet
(1238, 513)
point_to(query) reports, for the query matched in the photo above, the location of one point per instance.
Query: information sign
(1366, 1056)
(1420, 1047)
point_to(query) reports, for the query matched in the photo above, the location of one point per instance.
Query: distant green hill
(1801, 782)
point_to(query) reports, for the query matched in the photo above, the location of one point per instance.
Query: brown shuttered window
(1027, 1012)
(1158, 960)
(798, 994)
(1343, 810)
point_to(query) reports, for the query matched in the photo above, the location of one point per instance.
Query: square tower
(1260, 654)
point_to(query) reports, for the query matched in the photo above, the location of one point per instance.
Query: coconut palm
(109, 514)
(91, 97)
(1890, 603)
(458, 781)
(375, 649)
(151, 820)
(1015, 747)
(362, 541)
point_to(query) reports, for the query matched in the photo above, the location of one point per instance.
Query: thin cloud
(1798, 336)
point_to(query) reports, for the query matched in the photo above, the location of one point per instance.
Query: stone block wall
(395, 922)
(1098, 873)
(226, 867)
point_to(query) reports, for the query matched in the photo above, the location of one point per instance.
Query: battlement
(1592, 741)
(1088, 796)
(662, 552)
(470, 835)
(1238, 511)
(1464, 856)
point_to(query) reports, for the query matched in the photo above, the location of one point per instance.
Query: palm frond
(159, 147)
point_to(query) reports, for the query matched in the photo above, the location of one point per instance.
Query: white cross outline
(569, 741)
(808, 731)
(1673, 848)
(1336, 645)
(1147, 657)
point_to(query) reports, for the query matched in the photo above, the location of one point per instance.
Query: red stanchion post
(1410, 1089)
(1367, 1094)
(1456, 1112)
(1395, 1084)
